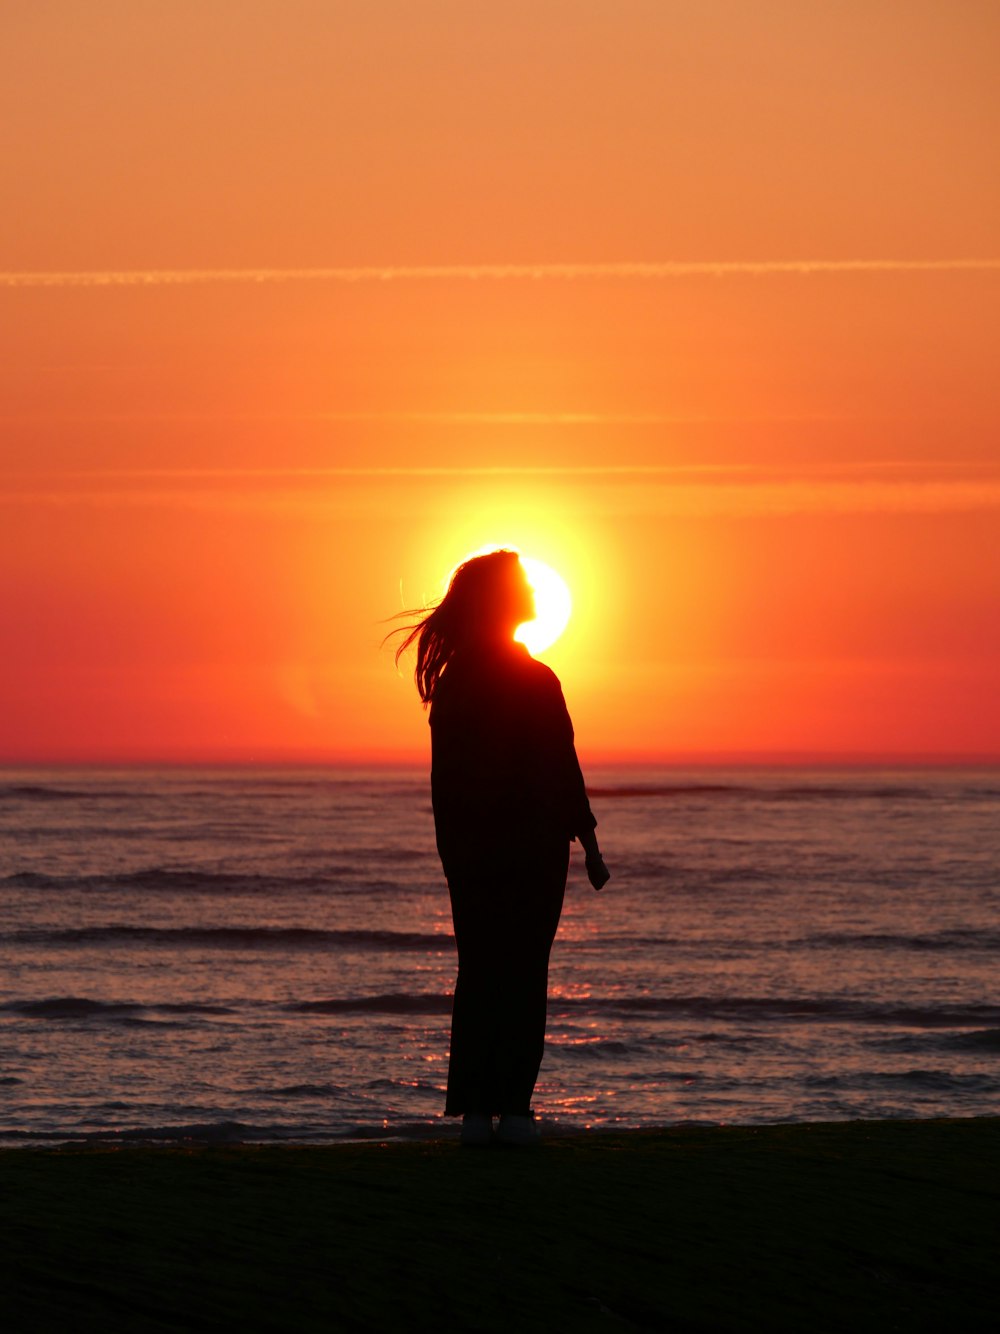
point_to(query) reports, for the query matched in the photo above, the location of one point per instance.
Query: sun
(553, 601)
(553, 605)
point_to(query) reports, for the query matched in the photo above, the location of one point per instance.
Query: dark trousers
(505, 914)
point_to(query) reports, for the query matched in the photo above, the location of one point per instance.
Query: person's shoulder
(541, 676)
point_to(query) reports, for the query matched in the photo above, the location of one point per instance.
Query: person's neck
(497, 643)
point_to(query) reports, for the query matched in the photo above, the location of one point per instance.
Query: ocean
(266, 954)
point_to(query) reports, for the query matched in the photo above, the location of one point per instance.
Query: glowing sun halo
(553, 605)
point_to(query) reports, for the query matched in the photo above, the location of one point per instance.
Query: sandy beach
(839, 1226)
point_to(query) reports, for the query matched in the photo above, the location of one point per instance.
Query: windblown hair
(473, 606)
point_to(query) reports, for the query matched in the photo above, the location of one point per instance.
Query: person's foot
(477, 1131)
(518, 1130)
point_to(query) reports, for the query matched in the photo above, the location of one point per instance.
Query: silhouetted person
(508, 798)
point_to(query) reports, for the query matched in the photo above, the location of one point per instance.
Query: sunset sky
(696, 300)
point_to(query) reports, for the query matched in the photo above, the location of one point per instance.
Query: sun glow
(553, 605)
(553, 601)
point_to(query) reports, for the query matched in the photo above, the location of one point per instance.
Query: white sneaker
(477, 1131)
(519, 1130)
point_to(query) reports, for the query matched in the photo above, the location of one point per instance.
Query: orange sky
(303, 301)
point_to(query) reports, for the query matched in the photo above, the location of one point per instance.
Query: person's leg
(505, 918)
(534, 906)
(471, 1081)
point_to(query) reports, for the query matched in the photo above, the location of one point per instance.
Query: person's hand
(597, 873)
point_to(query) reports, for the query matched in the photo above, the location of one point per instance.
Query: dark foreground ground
(843, 1227)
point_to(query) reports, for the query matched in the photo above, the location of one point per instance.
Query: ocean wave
(199, 1132)
(820, 792)
(981, 1039)
(920, 1080)
(815, 1009)
(792, 791)
(935, 1040)
(733, 1009)
(42, 792)
(38, 792)
(234, 938)
(263, 788)
(394, 1131)
(83, 1007)
(394, 1003)
(591, 1049)
(938, 1081)
(382, 1085)
(303, 1091)
(229, 1132)
(173, 880)
(669, 790)
(957, 939)
(691, 1008)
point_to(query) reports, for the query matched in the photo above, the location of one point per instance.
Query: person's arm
(597, 873)
(559, 769)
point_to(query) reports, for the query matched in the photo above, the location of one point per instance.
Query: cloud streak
(414, 418)
(392, 494)
(709, 473)
(656, 270)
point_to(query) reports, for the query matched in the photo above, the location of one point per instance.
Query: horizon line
(804, 758)
(708, 761)
(628, 269)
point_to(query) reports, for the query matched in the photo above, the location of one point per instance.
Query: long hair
(476, 604)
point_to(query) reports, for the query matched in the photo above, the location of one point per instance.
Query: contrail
(496, 272)
(750, 473)
(619, 501)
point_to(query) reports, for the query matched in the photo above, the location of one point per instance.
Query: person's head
(488, 597)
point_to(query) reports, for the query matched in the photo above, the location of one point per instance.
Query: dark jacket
(504, 771)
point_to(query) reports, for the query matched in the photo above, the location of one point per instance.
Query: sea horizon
(411, 761)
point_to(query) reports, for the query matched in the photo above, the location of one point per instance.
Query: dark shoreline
(866, 1225)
